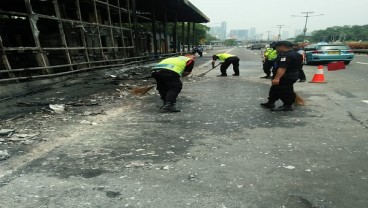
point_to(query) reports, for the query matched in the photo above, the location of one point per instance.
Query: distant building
(219, 31)
(252, 33)
(241, 35)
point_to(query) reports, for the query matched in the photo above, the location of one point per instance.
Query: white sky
(264, 15)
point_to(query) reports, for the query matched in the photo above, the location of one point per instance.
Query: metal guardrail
(365, 51)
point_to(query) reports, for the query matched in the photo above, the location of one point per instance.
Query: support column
(174, 32)
(5, 59)
(182, 36)
(193, 34)
(40, 56)
(188, 36)
(111, 30)
(98, 29)
(82, 32)
(62, 33)
(165, 32)
(154, 31)
(135, 23)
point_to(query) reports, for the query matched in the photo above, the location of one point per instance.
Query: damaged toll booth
(49, 38)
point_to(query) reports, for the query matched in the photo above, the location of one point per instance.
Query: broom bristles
(299, 100)
(141, 90)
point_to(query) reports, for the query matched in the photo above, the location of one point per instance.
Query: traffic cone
(319, 77)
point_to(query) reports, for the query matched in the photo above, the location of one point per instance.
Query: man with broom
(167, 74)
(288, 65)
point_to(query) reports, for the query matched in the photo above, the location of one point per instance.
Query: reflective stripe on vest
(176, 64)
(223, 56)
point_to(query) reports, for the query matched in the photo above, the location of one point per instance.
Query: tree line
(338, 34)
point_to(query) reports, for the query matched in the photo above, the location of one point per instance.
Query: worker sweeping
(227, 59)
(167, 74)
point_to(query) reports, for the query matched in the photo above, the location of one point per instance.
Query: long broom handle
(209, 70)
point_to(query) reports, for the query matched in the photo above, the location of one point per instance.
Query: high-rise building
(239, 34)
(252, 33)
(219, 31)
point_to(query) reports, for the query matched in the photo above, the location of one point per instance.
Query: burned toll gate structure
(49, 38)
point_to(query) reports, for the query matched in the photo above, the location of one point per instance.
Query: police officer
(227, 59)
(167, 74)
(199, 50)
(269, 60)
(302, 77)
(288, 64)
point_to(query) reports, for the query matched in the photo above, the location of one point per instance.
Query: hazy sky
(264, 15)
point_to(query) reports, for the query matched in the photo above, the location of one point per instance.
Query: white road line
(362, 63)
(366, 101)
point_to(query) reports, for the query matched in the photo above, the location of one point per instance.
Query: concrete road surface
(222, 150)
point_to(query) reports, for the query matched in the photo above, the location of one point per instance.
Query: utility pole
(279, 35)
(268, 36)
(306, 20)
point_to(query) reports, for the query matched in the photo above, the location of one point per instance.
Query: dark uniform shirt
(292, 62)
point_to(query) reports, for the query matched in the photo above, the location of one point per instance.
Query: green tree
(230, 42)
(341, 33)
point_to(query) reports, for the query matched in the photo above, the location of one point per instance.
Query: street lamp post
(306, 20)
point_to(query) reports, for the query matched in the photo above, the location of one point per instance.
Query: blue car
(315, 53)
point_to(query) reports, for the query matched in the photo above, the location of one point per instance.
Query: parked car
(256, 46)
(315, 53)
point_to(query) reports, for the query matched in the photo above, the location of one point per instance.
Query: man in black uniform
(288, 64)
(227, 59)
(167, 74)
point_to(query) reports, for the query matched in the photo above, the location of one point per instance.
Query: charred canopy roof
(183, 10)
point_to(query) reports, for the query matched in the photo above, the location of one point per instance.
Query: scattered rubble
(4, 155)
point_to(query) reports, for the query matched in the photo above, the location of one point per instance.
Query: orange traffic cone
(318, 77)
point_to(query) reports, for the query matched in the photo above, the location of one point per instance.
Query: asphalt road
(222, 150)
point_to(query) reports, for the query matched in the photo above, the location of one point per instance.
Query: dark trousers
(169, 84)
(267, 65)
(302, 74)
(231, 60)
(284, 91)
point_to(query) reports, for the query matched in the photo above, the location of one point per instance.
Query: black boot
(164, 103)
(268, 105)
(170, 107)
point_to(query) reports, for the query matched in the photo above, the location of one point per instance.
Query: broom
(204, 73)
(141, 90)
(299, 100)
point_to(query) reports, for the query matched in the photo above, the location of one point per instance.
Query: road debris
(4, 155)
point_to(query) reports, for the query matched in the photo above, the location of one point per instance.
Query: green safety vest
(223, 56)
(271, 54)
(176, 64)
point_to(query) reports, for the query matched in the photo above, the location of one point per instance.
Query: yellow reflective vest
(176, 64)
(270, 54)
(223, 56)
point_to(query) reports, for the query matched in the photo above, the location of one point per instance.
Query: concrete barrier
(365, 51)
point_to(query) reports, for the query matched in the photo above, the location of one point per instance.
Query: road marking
(366, 101)
(362, 63)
